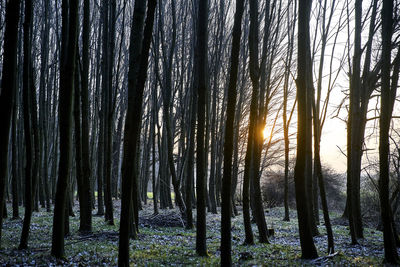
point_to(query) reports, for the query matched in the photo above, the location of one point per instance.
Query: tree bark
(29, 126)
(67, 72)
(228, 142)
(138, 62)
(388, 94)
(353, 135)
(190, 167)
(86, 225)
(8, 86)
(15, 160)
(306, 241)
(201, 87)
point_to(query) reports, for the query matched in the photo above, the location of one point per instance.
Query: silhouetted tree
(67, 74)
(30, 124)
(8, 87)
(201, 87)
(388, 96)
(141, 34)
(228, 142)
(302, 82)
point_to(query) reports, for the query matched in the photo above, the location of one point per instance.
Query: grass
(162, 246)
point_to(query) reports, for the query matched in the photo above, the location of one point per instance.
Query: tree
(153, 150)
(228, 142)
(302, 82)
(249, 239)
(107, 100)
(86, 207)
(138, 61)
(214, 139)
(319, 113)
(43, 108)
(256, 125)
(286, 121)
(190, 169)
(15, 154)
(361, 87)
(202, 87)
(30, 124)
(67, 74)
(388, 95)
(8, 87)
(166, 94)
(353, 146)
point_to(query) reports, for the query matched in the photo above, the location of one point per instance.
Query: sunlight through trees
(175, 132)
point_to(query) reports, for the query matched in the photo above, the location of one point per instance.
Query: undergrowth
(158, 246)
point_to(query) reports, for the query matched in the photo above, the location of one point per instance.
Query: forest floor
(159, 245)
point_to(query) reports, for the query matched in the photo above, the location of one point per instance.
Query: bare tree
(361, 87)
(30, 124)
(302, 82)
(67, 74)
(140, 40)
(291, 25)
(228, 142)
(201, 87)
(8, 87)
(388, 95)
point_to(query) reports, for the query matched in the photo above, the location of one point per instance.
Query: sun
(265, 133)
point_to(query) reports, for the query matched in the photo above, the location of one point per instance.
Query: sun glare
(265, 133)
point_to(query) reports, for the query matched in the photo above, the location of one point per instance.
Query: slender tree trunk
(228, 142)
(152, 137)
(100, 165)
(354, 150)
(86, 168)
(388, 95)
(15, 159)
(28, 95)
(237, 128)
(202, 87)
(138, 61)
(67, 73)
(255, 127)
(190, 167)
(108, 46)
(43, 108)
(8, 86)
(306, 241)
(324, 202)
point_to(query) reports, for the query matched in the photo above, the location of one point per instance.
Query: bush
(273, 189)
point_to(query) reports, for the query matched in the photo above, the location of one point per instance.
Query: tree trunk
(8, 86)
(286, 121)
(353, 145)
(202, 87)
(138, 61)
(306, 241)
(152, 137)
(190, 167)
(86, 168)
(388, 94)
(67, 73)
(15, 159)
(29, 125)
(228, 142)
(108, 46)
(256, 126)
(43, 114)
